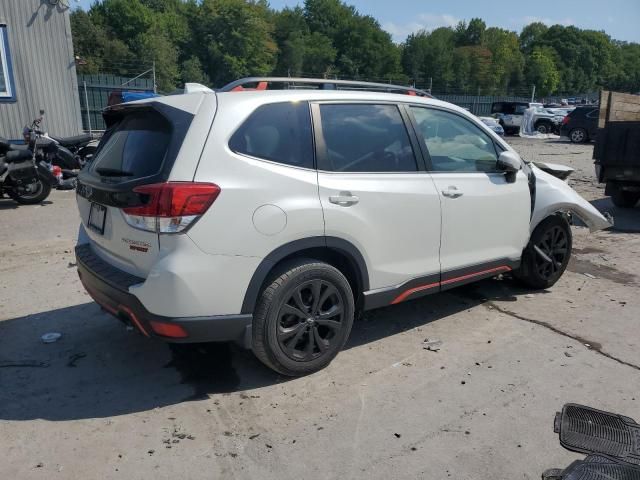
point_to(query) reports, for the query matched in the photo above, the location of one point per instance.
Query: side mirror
(509, 163)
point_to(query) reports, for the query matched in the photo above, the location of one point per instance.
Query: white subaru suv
(271, 211)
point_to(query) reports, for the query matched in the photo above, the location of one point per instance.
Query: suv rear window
(279, 132)
(135, 147)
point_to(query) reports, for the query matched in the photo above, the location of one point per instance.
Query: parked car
(493, 124)
(270, 217)
(581, 125)
(509, 115)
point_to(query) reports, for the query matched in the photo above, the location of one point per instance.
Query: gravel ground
(103, 402)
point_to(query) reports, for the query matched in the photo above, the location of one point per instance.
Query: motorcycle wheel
(41, 192)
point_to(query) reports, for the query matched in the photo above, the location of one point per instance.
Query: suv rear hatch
(127, 194)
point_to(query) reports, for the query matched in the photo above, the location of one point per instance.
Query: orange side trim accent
(411, 291)
(407, 293)
(134, 319)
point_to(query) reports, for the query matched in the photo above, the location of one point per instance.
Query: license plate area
(97, 217)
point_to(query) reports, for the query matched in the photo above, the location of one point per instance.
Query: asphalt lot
(103, 402)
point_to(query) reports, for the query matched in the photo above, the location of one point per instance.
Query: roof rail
(289, 83)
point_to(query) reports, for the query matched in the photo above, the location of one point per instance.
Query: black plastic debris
(595, 467)
(611, 442)
(587, 430)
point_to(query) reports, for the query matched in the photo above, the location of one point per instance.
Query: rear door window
(364, 138)
(278, 132)
(136, 147)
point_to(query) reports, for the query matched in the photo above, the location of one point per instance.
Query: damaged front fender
(553, 195)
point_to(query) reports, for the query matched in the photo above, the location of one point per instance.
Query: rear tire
(624, 199)
(543, 127)
(42, 191)
(303, 318)
(547, 255)
(578, 135)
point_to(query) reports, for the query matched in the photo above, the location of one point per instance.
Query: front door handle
(344, 199)
(452, 192)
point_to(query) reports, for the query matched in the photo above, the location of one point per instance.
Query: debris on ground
(588, 275)
(50, 337)
(432, 345)
(74, 358)
(23, 363)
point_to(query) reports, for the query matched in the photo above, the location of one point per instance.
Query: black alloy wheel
(303, 317)
(551, 252)
(309, 320)
(547, 255)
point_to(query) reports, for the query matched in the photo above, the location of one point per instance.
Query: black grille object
(587, 430)
(595, 467)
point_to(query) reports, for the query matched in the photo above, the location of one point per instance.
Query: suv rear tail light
(170, 207)
(565, 120)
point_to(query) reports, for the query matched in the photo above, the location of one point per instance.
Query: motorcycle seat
(17, 156)
(73, 141)
(6, 146)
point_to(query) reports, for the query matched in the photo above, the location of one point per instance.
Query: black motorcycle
(69, 153)
(22, 177)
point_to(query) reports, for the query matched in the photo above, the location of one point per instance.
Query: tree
(235, 39)
(542, 72)
(507, 62)
(191, 72)
(531, 35)
(158, 47)
(428, 56)
(215, 41)
(471, 34)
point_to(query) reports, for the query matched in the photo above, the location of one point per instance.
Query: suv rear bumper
(109, 287)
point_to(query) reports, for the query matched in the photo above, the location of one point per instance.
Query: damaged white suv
(270, 214)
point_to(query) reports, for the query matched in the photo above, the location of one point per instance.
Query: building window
(7, 89)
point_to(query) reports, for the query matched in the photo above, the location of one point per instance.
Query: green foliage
(216, 41)
(541, 70)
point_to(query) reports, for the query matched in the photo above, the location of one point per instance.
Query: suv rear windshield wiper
(113, 172)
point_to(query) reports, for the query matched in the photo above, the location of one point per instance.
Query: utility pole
(155, 87)
(533, 93)
(86, 103)
(430, 84)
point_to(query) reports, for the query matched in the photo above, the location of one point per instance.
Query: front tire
(303, 318)
(547, 255)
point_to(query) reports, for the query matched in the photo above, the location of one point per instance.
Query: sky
(618, 18)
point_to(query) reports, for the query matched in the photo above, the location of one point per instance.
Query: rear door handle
(452, 192)
(344, 199)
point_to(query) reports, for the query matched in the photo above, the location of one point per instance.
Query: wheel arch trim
(337, 244)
